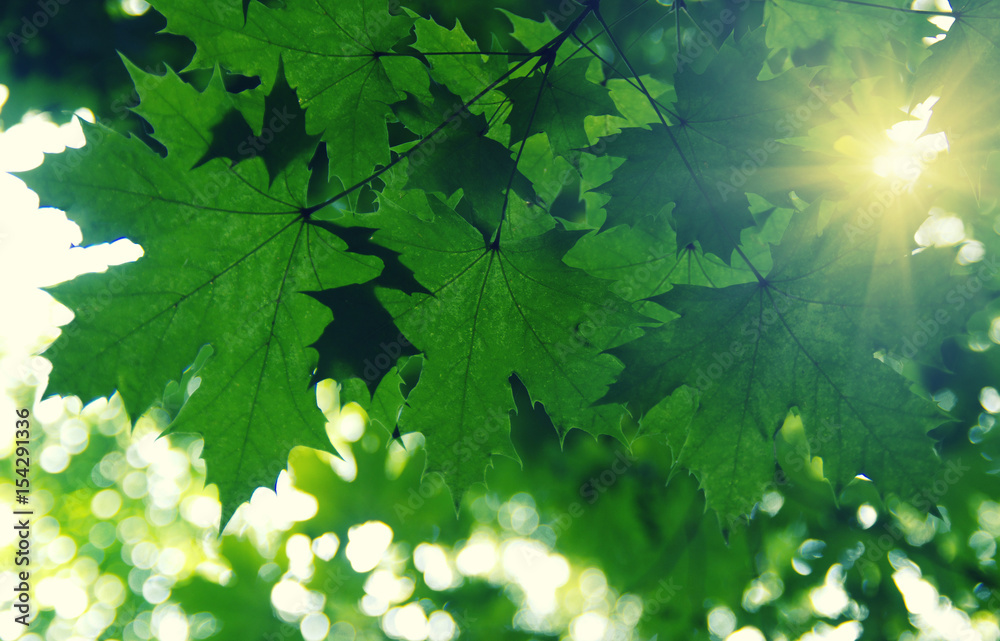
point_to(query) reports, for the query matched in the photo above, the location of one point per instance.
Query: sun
(908, 149)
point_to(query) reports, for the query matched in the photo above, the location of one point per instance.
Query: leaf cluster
(678, 236)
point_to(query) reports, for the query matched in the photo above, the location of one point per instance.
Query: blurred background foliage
(583, 541)
(60, 55)
(586, 543)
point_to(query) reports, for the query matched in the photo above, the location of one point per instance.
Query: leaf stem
(495, 244)
(623, 76)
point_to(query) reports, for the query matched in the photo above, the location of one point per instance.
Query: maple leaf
(646, 261)
(279, 139)
(556, 100)
(495, 311)
(820, 31)
(718, 19)
(227, 251)
(338, 58)
(453, 60)
(961, 70)
(805, 335)
(717, 141)
(461, 157)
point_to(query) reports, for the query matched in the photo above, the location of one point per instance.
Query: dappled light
(269, 511)
(748, 633)
(23, 145)
(761, 591)
(366, 543)
(721, 621)
(941, 229)
(934, 615)
(551, 592)
(135, 7)
(478, 556)
(971, 252)
(942, 22)
(909, 148)
(867, 515)
(989, 398)
(830, 599)
(846, 631)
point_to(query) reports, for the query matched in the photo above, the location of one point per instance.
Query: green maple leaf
(556, 100)
(279, 139)
(961, 70)
(227, 251)
(816, 31)
(494, 312)
(453, 61)
(803, 336)
(337, 56)
(360, 323)
(646, 261)
(534, 34)
(722, 141)
(718, 19)
(463, 157)
(973, 39)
